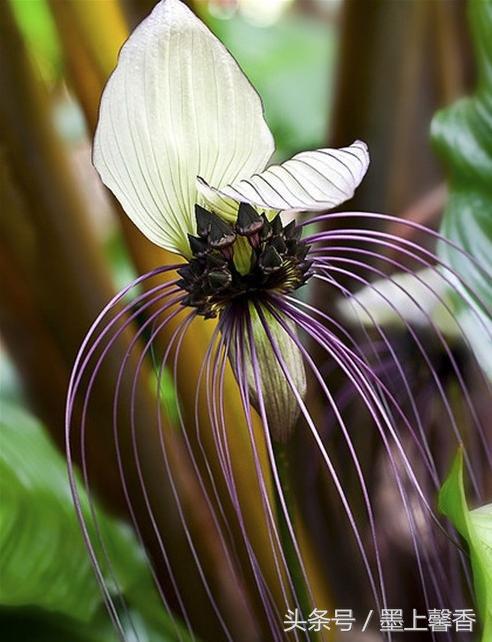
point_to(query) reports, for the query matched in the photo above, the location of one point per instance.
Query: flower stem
(280, 451)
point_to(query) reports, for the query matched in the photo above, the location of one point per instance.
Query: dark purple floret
(212, 279)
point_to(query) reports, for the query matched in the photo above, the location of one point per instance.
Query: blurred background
(329, 71)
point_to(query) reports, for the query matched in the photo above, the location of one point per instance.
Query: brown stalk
(386, 93)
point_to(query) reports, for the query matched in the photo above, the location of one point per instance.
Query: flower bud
(276, 359)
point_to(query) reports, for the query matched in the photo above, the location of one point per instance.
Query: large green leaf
(476, 528)
(46, 573)
(42, 556)
(462, 135)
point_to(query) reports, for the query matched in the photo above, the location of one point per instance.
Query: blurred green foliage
(291, 66)
(47, 578)
(476, 528)
(39, 30)
(463, 137)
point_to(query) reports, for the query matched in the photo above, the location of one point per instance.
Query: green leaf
(462, 135)
(45, 566)
(36, 625)
(42, 556)
(475, 526)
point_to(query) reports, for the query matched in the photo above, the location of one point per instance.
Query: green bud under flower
(274, 350)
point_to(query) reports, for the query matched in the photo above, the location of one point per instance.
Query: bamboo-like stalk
(57, 283)
(393, 73)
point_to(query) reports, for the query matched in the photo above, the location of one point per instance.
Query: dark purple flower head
(232, 265)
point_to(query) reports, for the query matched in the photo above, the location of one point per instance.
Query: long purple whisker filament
(115, 432)
(192, 456)
(401, 490)
(447, 350)
(444, 343)
(220, 438)
(397, 221)
(468, 294)
(345, 358)
(373, 237)
(312, 427)
(169, 348)
(423, 448)
(245, 393)
(303, 304)
(291, 311)
(348, 440)
(442, 301)
(226, 467)
(173, 485)
(121, 371)
(82, 360)
(134, 444)
(402, 245)
(434, 374)
(209, 363)
(324, 263)
(73, 384)
(378, 382)
(136, 455)
(425, 263)
(188, 443)
(351, 448)
(233, 335)
(229, 335)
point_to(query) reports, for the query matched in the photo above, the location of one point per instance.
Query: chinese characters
(391, 620)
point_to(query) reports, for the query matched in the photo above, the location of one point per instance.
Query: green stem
(280, 452)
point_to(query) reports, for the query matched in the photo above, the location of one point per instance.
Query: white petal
(214, 201)
(225, 206)
(176, 107)
(309, 181)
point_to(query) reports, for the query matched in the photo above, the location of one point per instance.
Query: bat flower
(183, 144)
